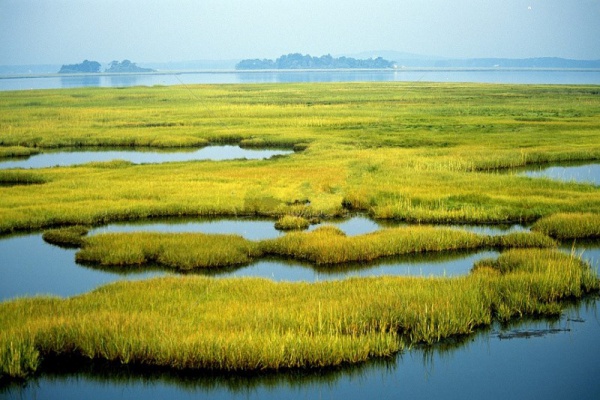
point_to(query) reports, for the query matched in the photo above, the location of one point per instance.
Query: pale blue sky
(69, 31)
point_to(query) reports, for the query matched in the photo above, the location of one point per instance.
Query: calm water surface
(66, 158)
(530, 359)
(588, 173)
(29, 266)
(217, 77)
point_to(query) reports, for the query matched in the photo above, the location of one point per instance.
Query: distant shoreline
(288, 71)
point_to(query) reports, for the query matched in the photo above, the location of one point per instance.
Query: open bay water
(499, 75)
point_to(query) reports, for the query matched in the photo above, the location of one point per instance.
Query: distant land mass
(94, 67)
(409, 60)
(126, 66)
(375, 59)
(299, 61)
(541, 62)
(84, 67)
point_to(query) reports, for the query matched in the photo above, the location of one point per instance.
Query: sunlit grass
(416, 152)
(325, 245)
(570, 225)
(405, 151)
(256, 324)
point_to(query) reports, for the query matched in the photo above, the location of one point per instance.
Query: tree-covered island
(126, 66)
(94, 67)
(299, 61)
(84, 67)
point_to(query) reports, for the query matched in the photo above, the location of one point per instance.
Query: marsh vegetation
(416, 153)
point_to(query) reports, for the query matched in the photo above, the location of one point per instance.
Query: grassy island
(421, 153)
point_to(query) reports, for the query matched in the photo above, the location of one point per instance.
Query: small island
(299, 61)
(93, 67)
(125, 66)
(82, 68)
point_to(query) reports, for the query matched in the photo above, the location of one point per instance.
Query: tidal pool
(528, 359)
(140, 156)
(579, 173)
(249, 228)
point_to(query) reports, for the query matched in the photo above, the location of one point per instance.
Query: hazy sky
(69, 31)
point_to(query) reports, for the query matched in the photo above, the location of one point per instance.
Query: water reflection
(249, 228)
(446, 264)
(74, 81)
(229, 76)
(29, 266)
(141, 156)
(578, 173)
(560, 364)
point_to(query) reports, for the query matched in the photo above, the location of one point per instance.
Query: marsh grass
(20, 177)
(256, 324)
(403, 151)
(17, 151)
(570, 225)
(178, 251)
(68, 237)
(291, 222)
(323, 246)
(329, 245)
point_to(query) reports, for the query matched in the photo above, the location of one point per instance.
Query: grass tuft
(256, 324)
(290, 222)
(69, 237)
(570, 225)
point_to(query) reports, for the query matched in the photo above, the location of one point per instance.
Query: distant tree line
(94, 67)
(85, 66)
(299, 61)
(126, 66)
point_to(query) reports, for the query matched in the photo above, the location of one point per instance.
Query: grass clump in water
(18, 356)
(183, 251)
(533, 281)
(256, 324)
(329, 245)
(69, 237)
(291, 222)
(325, 245)
(570, 225)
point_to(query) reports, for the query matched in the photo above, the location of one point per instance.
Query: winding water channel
(32, 267)
(66, 158)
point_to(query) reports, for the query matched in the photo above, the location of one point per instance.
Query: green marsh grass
(69, 237)
(17, 151)
(406, 151)
(417, 152)
(570, 225)
(291, 222)
(256, 324)
(20, 177)
(184, 251)
(325, 245)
